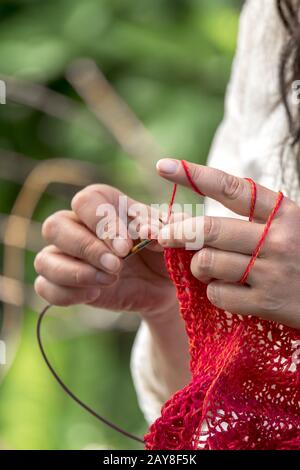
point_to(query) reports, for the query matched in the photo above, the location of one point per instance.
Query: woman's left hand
(273, 286)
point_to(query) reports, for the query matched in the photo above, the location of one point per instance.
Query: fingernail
(92, 294)
(110, 262)
(167, 166)
(120, 246)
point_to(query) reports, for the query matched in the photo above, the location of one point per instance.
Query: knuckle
(269, 302)
(230, 185)
(80, 199)
(87, 249)
(39, 262)
(52, 224)
(212, 228)
(213, 294)
(291, 210)
(58, 273)
(196, 172)
(49, 228)
(280, 242)
(79, 277)
(39, 286)
(53, 296)
(83, 197)
(205, 261)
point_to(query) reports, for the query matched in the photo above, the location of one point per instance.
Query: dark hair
(289, 70)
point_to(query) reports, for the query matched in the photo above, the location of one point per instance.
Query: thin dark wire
(69, 392)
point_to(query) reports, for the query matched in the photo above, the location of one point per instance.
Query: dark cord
(69, 392)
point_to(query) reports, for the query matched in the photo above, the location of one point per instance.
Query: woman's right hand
(78, 268)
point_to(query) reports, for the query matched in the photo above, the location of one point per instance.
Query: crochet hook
(137, 248)
(141, 245)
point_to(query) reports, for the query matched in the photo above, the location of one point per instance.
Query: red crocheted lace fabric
(245, 386)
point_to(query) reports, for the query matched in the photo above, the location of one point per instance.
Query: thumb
(180, 172)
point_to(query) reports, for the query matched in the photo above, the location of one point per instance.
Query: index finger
(231, 191)
(97, 206)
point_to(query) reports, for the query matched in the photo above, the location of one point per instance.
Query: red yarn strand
(172, 202)
(253, 198)
(255, 254)
(190, 179)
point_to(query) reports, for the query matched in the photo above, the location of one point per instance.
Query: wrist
(170, 347)
(164, 316)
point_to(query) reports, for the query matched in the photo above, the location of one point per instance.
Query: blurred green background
(164, 68)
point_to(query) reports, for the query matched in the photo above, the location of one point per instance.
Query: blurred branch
(110, 109)
(34, 240)
(16, 167)
(11, 291)
(58, 170)
(115, 115)
(50, 102)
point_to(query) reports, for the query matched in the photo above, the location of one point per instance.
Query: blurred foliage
(170, 61)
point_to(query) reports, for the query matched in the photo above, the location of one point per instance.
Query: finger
(210, 263)
(98, 207)
(155, 247)
(226, 234)
(233, 297)
(231, 191)
(152, 227)
(148, 226)
(145, 224)
(63, 231)
(65, 296)
(63, 270)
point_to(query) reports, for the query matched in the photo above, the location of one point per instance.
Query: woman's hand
(273, 286)
(79, 268)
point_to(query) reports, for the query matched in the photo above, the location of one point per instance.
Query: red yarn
(253, 198)
(190, 179)
(262, 239)
(172, 201)
(245, 386)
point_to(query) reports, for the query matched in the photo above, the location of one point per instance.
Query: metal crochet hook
(141, 245)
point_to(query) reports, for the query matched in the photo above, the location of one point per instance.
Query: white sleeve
(225, 152)
(151, 390)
